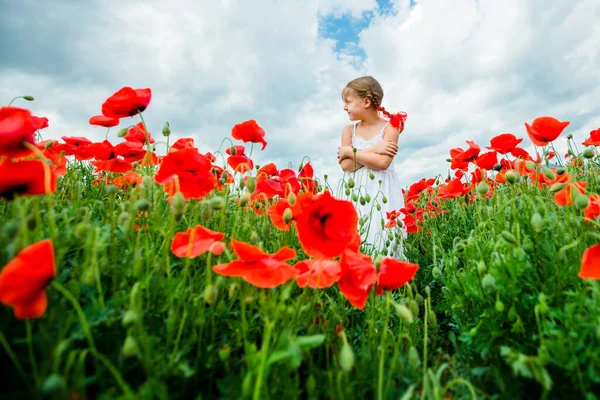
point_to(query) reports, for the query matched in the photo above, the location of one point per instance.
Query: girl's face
(354, 105)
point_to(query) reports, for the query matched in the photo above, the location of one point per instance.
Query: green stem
(12, 356)
(32, 361)
(382, 347)
(265, 352)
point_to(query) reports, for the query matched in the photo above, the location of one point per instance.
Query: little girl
(373, 180)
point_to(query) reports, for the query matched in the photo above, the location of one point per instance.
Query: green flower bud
(499, 306)
(371, 175)
(292, 198)
(122, 132)
(130, 317)
(287, 215)
(29, 98)
(244, 199)
(142, 205)
(54, 384)
(217, 203)
(488, 282)
(556, 187)
(367, 198)
(251, 185)
(511, 177)
(351, 183)
(548, 173)
(413, 357)
(210, 294)
(166, 130)
(111, 189)
(384, 200)
(560, 171)
(224, 353)
(483, 188)
(537, 222)
(588, 153)
(130, 347)
(581, 201)
(509, 237)
(346, 357)
(405, 313)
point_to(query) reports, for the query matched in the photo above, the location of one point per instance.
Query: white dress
(372, 231)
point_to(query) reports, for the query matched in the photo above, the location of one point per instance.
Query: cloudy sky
(461, 69)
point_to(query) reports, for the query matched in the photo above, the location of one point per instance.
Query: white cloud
(463, 70)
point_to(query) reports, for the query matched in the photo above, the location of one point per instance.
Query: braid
(396, 120)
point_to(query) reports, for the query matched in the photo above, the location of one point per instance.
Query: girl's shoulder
(348, 129)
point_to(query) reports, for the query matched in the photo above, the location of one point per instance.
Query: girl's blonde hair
(368, 87)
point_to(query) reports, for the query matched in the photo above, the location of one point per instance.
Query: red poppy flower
(504, 143)
(116, 165)
(266, 171)
(594, 139)
(544, 130)
(196, 241)
(327, 226)
(590, 263)
(130, 178)
(249, 131)
(183, 143)
(289, 181)
(394, 274)
(358, 274)
(131, 149)
(138, 133)
(318, 274)
(39, 122)
(126, 102)
(16, 127)
(101, 120)
(487, 160)
(187, 171)
(593, 208)
(564, 197)
(239, 150)
(257, 267)
(26, 177)
(24, 279)
(240, 163)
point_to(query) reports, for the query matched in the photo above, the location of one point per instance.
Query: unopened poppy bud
(311, 384)
(123, 220)
(483, 188)
(404, 313)
(509, 237)
(266, 229)
(548, 173)
(292, 198)
(581, 201)
(346, 357)
(435, 271)
(111, 189)
(570, 136)
(473, 332)
(29, 98)
(300, 167)
(556, 187)
(378, 207)
(249, 300)
(499, 306)
(588, 153)
(287, 215)
(371, 175)
(206, 213)
(244, 199)
(233, 150)
(142, 205)
(178, 203)
(53, 385)
(413, 357)
(122, 132)
(217, 203)
(384, 200)
(354, 197)
(378, 260)
(419, 298)
(488, 282)
(254, 237)
(224, 353)
(347, 191)
(560, 171)
(367, 198)
(210, 294)
(130, 317)
(251, 184)
(414, 307)
(537, 222)
(448, 160)
(232, 290)
(362, 201)
(432, 318)
(497, 167)
(481, 267)
(49, 144)
(166, 130)
(530, 165)
(130, 347)
(351, 183)
(511, 177)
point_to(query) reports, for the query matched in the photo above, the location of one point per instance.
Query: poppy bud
(244, 199)
(448, 159)
(413, 357)
(300, 167)
(311, 384)
(581, 201)
(588, 153)
(367, 198)
(511, 177)
(509, 237)
(224, 353)
(499, 306)
(548, 173)
(570, 136)
(233, 150)
(483, 188)
(287, 215)
(404, 313)
(362, 201)
(384, 200)
(217, 203)
(378, 207)
(488, 282)
(419, 298)
(292, 198)
(210, 294)
(130, 317)
(537, 222)
(414, 308)
(347, 192)
(232, 290)
(351, 183)
(556, 187)
(130, 347)
(122, 132)
(266, 229)
(560, 171)
(436, 272)
(251, 185)
(142, 205)
(473, 332)
(371, 175)
(111, 189)
(354, 197)
(166, 130)
(346, 357)
(530, 165)
(497, 167)
(53, 385)
(481, 267)
(206, 214)
(123, 220)
(254, 237)
(178, 206)
(432, 318)
(29, 98)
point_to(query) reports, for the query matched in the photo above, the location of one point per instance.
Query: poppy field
(140, 268)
